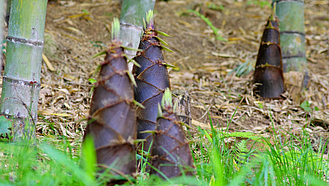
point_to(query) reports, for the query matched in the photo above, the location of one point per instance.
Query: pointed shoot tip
(167, 99)
(149, 19)
(115, 32)
(159, 111)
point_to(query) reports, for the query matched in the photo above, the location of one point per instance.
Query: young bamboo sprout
(170, 150)
(112, 121)
(268, 75)
(151, 78)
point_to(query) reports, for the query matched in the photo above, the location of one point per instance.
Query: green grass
(251, 160)
(209, 23)
(262, 4)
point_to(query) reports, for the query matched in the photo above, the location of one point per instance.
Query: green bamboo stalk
(292, 35)
(2, 13)
(21, 80)
(8, 10)
(131, 22)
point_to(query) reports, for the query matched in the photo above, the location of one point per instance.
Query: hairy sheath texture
(268, 72)
(151, 79)
(170, 151)
(112, 121)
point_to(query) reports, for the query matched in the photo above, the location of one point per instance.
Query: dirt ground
(76, 30)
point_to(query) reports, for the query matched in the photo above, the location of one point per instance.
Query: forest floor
(76, 30)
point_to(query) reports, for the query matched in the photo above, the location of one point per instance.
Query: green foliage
(3, 47)
(51, 125)
(241, 152)
(89, 157)
(98, 44)
(260, 3)
(306, 106)
(248, 135)
(115, 32)
(23, 163)
(149, 18)
(5, 125)
(92, 80)
(213, 6)
(166, 99)
(243, 69)
(209, 23)
(85, 11)
(277, 162)
(217, 162)
(72, 168)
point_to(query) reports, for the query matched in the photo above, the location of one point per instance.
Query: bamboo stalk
(21, 80)
(8, 10)
(2, 13)
(292, 36)
(131, 23)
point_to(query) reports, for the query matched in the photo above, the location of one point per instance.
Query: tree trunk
(292, 37)
(21, 80)
(131, 23)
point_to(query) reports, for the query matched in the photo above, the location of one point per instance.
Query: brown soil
(71, 39)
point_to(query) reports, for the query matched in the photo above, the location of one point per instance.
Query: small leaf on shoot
(166, 99)
(270, 25)
(159, 111)
(134, 49)
(139, 141)
(149, 19)
(175, 106)
(162, 33)
(171, 66)
(148, 131)
(138, 104)
(162, 41)
(134, 62)
(98, 54)
(165, 48)
(131, 77)
(272, 17)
